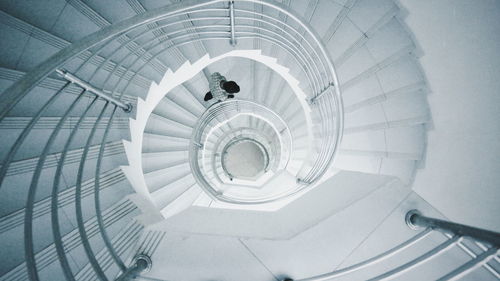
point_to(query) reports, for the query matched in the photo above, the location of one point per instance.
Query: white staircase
(150, 201)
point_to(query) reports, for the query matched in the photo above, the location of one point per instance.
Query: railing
(455, 233)
(125, 50)
(89, 88)
(121, 56)
(79, 101)
(202, 132)
(212, 164)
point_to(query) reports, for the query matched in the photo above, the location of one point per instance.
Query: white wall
(460, 40)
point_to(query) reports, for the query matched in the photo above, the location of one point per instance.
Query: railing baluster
(470, 265)
(376, 259)
(325, 90)
(423, 258)
(25, 133)
(414, 219)
(469, 252)
(141, 263)
(29, 249)
(127, 107)
(56, 230)
(97, 200)
(231, 15)
(78, 201)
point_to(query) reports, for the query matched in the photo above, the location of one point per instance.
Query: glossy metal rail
(299, 43)
(376, 259)
(269, 141)
(56, 230)
(78, 202)
(202, 131)
(140, 264)
(416, 221)
(245, 139)
(306, 51)
(97, 201)
(89, 88)
(446, 245)
(323, 160)
(470, 265)
(20, 139)
(28, 218)
(231, 16)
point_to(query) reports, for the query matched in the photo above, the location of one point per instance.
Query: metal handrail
(328, 103)
(28, 215)
(89, 88)
(231, 16)
(306, 59)
(78, 202)
(441, 248)
(159, 27)
(97, 201)
(324, 159)
(247, 132)
(247, 35)
(415, 220)
(20, 139)
(56, 230)
(470, 265)
(248, 139)
(201, 132)
(378, 258)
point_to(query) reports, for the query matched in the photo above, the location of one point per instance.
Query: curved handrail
(28, 215)
(446, 245)
(241, 131)
(56, 230)
(20, 139)
(200, 133)
(18, 90)
(78, 202)
(247, 139)
(302, 46)
(97, 201)
(314, 62)
(382, 256)
(324, 160)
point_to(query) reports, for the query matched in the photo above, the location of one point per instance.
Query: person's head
(231, 87)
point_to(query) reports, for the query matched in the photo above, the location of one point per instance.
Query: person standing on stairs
(220, 88)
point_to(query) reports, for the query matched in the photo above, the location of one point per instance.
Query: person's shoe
(208, 96)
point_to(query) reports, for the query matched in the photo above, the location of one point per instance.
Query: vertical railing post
(315, 98)
(141, 263)
(127, 107)
(231, 17)
(415, 219)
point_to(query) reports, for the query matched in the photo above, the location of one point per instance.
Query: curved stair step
(182, 202)
(166, 127)
(160, 160)
(165, 195)
(159, 143)
(391, 111)
(170, 110)
(186, 100)
(159, 178)
(401, 168)
(403, 140)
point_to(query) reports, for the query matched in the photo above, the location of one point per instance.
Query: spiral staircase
(113, 166)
